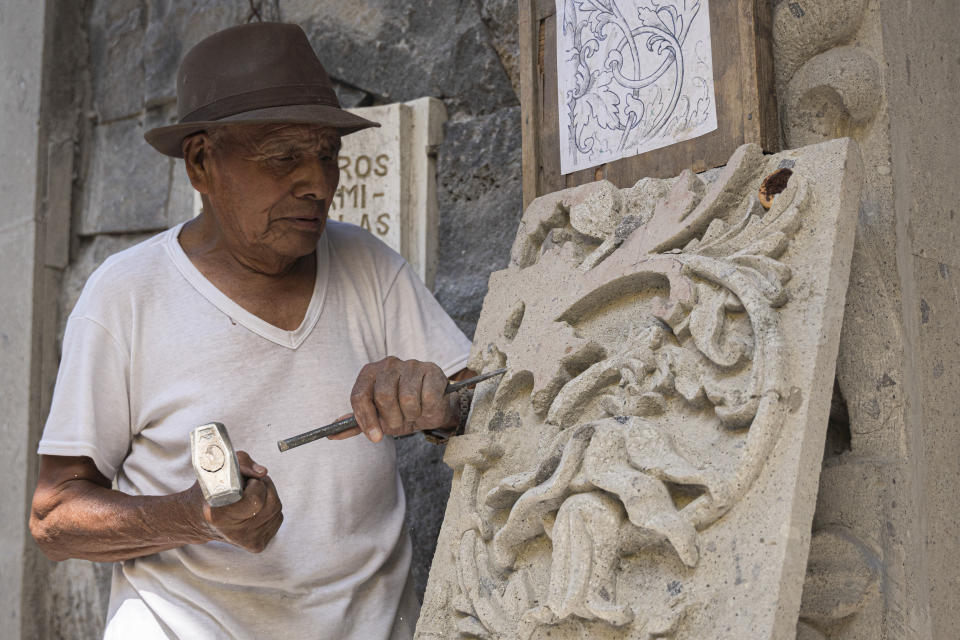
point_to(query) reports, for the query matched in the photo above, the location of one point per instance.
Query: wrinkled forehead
(262, 138)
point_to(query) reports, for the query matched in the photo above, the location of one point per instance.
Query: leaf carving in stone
(643, 333)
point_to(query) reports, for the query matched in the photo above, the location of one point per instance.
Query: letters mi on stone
(648, 466)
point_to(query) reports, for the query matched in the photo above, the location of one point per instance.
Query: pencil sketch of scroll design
(629, 72)
(655, 373)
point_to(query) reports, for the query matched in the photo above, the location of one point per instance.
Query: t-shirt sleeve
(90, 412)
(417, 327)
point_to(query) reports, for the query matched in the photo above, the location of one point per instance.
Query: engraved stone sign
(388, 179)
(648, 466)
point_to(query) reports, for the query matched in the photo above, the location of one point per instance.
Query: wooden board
(743, 79)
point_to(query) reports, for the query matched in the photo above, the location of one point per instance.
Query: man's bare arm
(75, 514)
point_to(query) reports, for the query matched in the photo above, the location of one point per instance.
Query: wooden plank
(550, 177)
(528, 41)
(748, 73)
(545, 9)
(757, 56)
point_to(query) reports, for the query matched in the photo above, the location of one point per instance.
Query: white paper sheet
(633, 76)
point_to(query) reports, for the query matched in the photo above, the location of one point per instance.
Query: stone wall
(377, 52)
(21, 52)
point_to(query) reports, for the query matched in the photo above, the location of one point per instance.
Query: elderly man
(263, 315)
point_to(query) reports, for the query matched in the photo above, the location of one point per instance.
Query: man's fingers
(364, 410)
(409, 391)
(268, 532)
(385, 398)
(254, 496)
(434, 387)
(271, 499)
(249, 468)
(273, 525)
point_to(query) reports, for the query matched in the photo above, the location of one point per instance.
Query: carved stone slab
(648, 466)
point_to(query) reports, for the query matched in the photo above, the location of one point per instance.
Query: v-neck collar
(290, 339)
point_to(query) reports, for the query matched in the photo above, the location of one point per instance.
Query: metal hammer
(215, 463)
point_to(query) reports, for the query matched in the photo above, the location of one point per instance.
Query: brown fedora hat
(257, 73)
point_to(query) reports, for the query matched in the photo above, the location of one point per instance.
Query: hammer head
(215, 463)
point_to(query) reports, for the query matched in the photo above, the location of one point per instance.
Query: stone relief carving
(828, 87)
(649, 381)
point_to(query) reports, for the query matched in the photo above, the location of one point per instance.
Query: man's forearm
(88, 521)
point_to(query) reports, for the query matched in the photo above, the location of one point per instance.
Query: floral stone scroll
(647, 468)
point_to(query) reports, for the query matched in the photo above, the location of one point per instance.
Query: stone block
(16, 336)
(479, 193)
(501, 18)
(172, 28)
(426, 483)
(937, 378)
(400, 51)
(388, 179)
(832, 94)
(648, 465)
(116, 35)
(22, 37)
(129, 182)
(801, 30)
(858, 519)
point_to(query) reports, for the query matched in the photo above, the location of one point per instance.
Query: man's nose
(316, 179)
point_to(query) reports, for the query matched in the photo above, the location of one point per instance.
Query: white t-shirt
(153, 349)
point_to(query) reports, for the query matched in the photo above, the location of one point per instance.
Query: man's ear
(196, 154)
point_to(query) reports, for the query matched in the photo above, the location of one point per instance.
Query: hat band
(262, 98)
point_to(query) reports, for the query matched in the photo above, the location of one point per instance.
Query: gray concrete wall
(21, 57)
(922, 77)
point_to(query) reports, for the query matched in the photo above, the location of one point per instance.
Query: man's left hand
(396, 397)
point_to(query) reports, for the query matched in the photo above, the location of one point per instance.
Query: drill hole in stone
(773, 184)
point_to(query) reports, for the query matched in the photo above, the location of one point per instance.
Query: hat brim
(168, 140)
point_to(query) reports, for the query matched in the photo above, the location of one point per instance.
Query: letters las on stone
(648, 466)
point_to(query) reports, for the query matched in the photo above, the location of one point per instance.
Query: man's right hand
(76, 514)
(252, 521)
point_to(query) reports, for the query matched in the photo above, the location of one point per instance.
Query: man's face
(271, 187)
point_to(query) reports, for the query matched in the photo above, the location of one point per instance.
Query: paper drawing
(632, 76)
